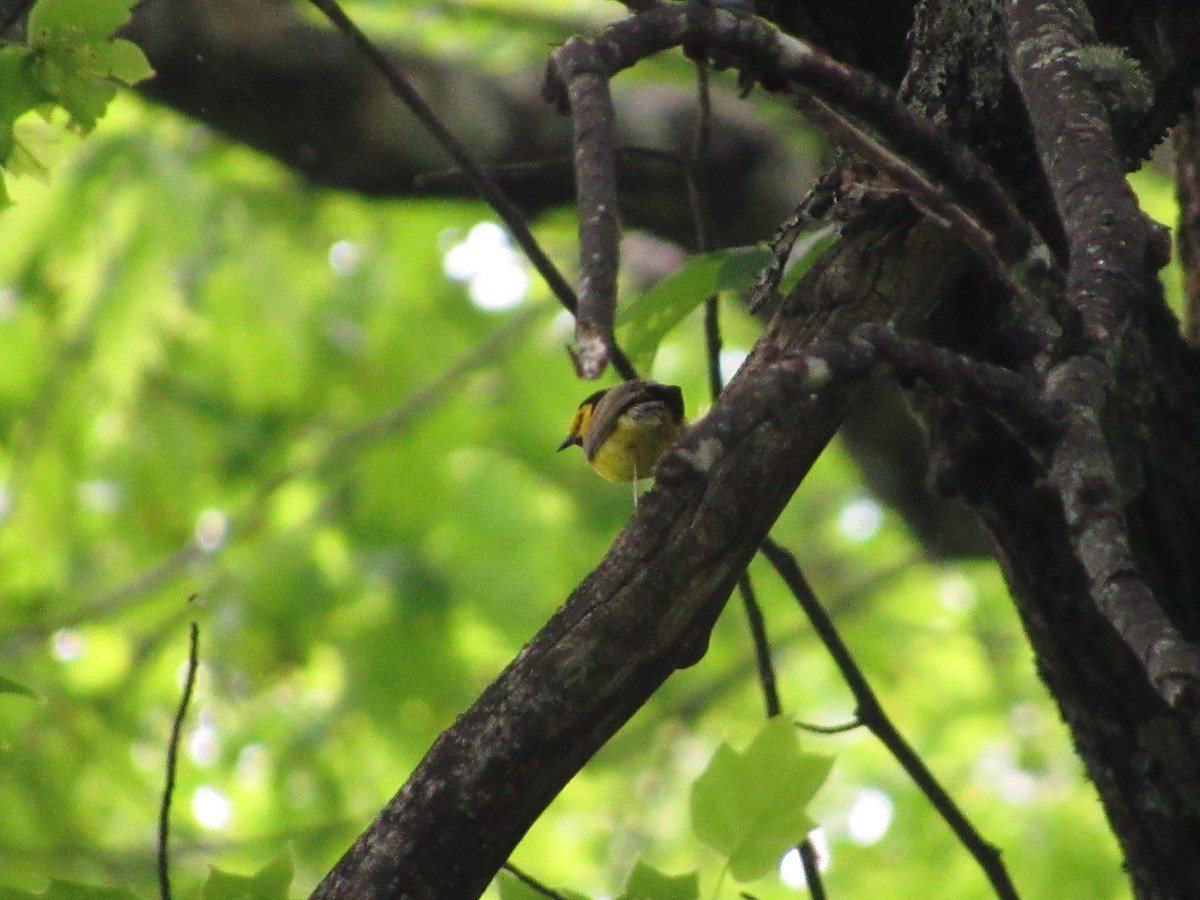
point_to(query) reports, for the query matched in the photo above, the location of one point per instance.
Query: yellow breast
(637, 440)
(624, 430)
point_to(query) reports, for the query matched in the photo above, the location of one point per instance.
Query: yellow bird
(625, 429)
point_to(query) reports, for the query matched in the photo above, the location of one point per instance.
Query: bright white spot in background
(212, 528)
(8, 303)
(956, 593)
(860, 521)
(211, 808)
(5, 501)
(66, 645)
(791, 867)
(100, 495)
(345, 257)
(997, 768)
(562, 326)
(731, 361)
(202, 743)
(495, 273)
(870, 816)
(501, 287)
(252, 765)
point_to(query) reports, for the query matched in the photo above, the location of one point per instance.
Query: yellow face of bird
(624, 430)
(581, 420)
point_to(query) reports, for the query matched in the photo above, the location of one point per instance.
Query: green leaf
(647, 319)
(750, 806)
(21, 90)
(648, 883)
(89, 20)
(123, 61)
(271, 882)
(77, 58)
(741, 268)
(8, 686)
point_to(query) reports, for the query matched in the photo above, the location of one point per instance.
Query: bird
(623, 430)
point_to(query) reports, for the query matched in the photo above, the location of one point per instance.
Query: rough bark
(648, 607)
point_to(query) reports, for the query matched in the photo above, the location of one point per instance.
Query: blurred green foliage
(220, 384)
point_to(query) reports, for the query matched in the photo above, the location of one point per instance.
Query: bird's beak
(570, 440)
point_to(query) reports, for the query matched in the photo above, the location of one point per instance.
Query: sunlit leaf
(647, 319)
(751, 806)
(648, 883)
(271, 882)
(88, 20)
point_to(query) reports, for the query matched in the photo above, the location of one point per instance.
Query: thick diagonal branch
(648, 608)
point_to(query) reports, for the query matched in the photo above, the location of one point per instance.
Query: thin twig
(164, 811)
(694, 178)
(578, 70)
(531, 882)
(829, 729)
(694, 173)
(762, 647)
(543, 168)
(871, 714)
(812, 870)
(696, 165)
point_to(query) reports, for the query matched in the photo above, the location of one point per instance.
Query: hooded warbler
(623, 430)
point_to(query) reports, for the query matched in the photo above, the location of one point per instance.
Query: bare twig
(532, 883)
(830, 729)
(871, 714)
(812, 869)
(712, 342)
(762, 647)
(576, 69)
(164, 811)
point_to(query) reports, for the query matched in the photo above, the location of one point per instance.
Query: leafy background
(228, 397)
